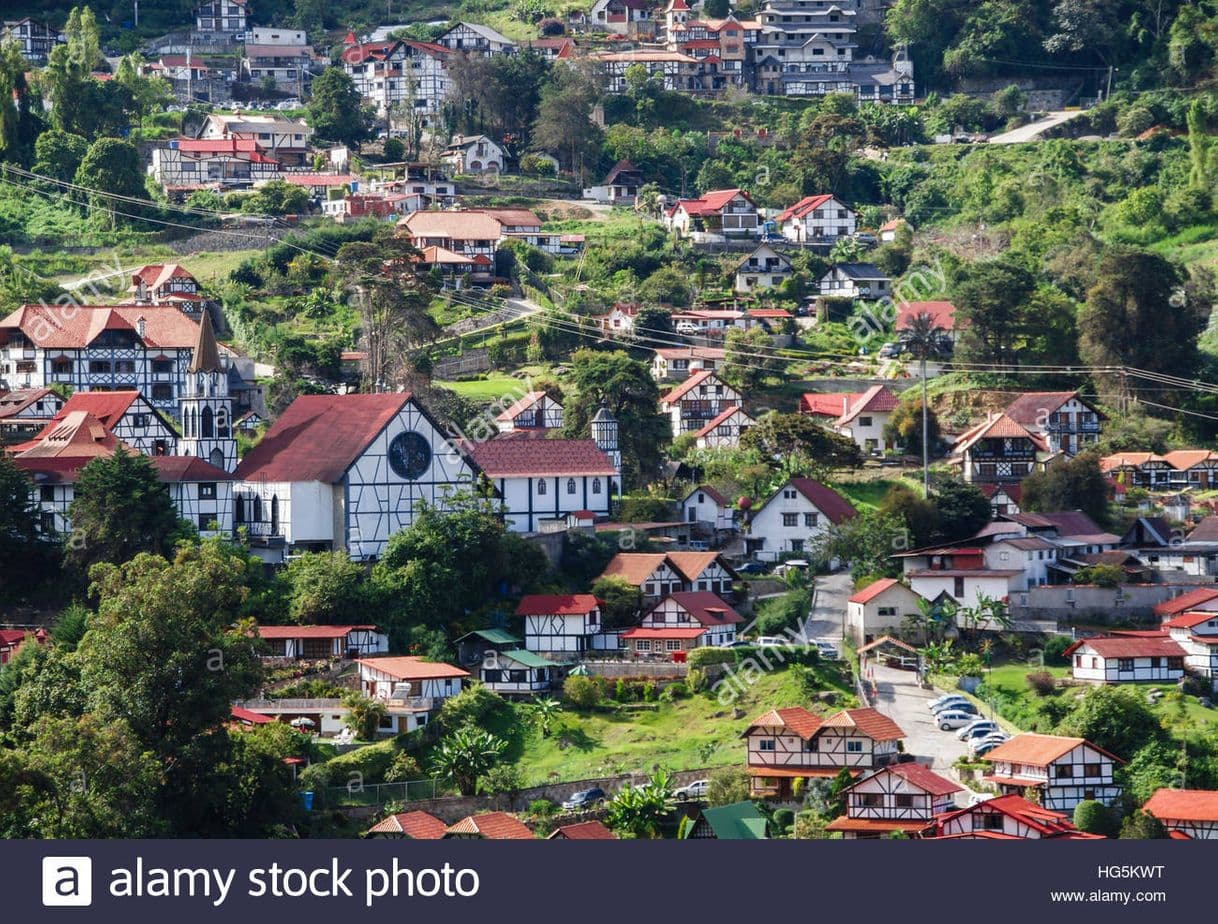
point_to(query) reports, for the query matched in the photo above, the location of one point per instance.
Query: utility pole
(925, 435)
(1108, 92)
(136, 17)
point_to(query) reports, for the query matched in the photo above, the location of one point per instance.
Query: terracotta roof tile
(418, 826)
(802, 208)
(539, 458)
(873, 590)
(706, 607)
(409, 667)
(556, 605)
(1123, 646)
(873, 724)
(496, 826)
(53, 327)
(1038, 750)
(1183, 805)
(1032, 407)
(583, 831)
(795, 718)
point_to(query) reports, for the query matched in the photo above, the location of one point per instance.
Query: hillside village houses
(862, 416)
(35, 39)
(879, 609)
(1187, 814)
(864, 281)
(815, 219)
(764, 268)
(1063, 771)
(903, 798)
(658, 574)
(166, 283)
(700, 399)
(793, 516)
(721, 212)
(1005, 818)
(400, 73)
(724, 430)
(24, 412)
(669, 363)
(682, 621)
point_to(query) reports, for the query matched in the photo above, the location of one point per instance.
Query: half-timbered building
(658, 574)
(901, 798)
(784, 745)
(1186, 813)
(700, 399)
(1064, 771)
(129, 416)
(518, 672)
(1197, 635)
(345, 472)
(706, 505)
(143, 348)
(997, 451)
(411, 688)
(1066, 422)
(725, 430)
(534, 410)
(24, 413)
(166, 284)
(1008, 817)
(1139, 658)
(491, 826)
(562, 626)
(316, 642)
(475, 38)
(794, 515)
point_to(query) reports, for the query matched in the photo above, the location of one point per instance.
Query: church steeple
(206, 409)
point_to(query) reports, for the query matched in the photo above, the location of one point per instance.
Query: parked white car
(693, 792)
(953, 719)
(946, 701)
(955, 706)
(978, 729)
(986, 741)
(827, 650)
(772, 641)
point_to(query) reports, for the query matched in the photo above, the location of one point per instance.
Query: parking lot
(899, 697)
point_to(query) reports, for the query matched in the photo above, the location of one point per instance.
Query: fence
(377, 793)
(468, 363)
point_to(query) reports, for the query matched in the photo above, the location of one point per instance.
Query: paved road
(901, 699)
(828, 616)
(1034, 130)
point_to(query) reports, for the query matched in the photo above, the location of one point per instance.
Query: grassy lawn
(489, 389)
(679, 735)
(868, 495)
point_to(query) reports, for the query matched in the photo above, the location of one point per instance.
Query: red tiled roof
(875, 725)
(802, 208)
(512, 217)
(498, 826)
(1040, 750)
(556, 605)
(77, 326)
(710, 203)
(188, 469)
(309, 631)
(673, 632)
(320, 179)
(633, 567)
(521, 404)
(999, 427)
(582, 831)
(1183, 805)
(1184, 459)
(157, 274)
(410, 667)
(106, 406)
(711, 493)
(1031, 814)
(248, 716)
(833, 404)
(924, 778)
(458, 225)
(943, 314)
(1124, 646)
(14, 402)
(795, 718)
(874, 825)
(690, 565)
(79, 436)
(418, 826)
(538, 458)
(1189, 620)
(768, 313)
(875, 400)
(318, 437)
(706, 607)
(873, 590)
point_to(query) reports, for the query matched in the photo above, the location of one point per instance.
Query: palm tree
(641, 811)
(544, 712)
(924, 339)
(465, 755)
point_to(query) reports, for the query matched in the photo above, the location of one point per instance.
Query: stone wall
(1067, 603)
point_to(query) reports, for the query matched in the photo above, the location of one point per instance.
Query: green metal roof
(494, 636)
(527, 658)
(740, 821)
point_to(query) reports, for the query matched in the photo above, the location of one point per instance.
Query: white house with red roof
(25, 411)
(345, 472)
(618, 321)
(698, 400)
(793, 516)
(563, 625)
(681, 362)
(619, 17)
(788, 744)
(534, 410)
(960, 573)
(719, 213)
(1064, 771)
(1187, 814)
(901, 798)
(129, 416)
(462, 231)
(709, 322)
(542, 481)
(145, 348)
(942, 316)
(1005, 818)
(658, 574)
(706, 505)
(1196, 632)
(866, 417)
(816, 218)
(1066, 422)
(619, 187)
(295, 642)
(166, 283)
(879, 609)
(412, 689)
(682, 621)
(998, 451)
(182, 165)
(1133, 658)
(285, 140)
(725, 430)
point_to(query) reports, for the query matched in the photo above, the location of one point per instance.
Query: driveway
(1033, 130)
(900, 698)
(828, 617)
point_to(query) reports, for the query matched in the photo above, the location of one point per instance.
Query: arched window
(208, 428)
(239, 511)
(596, 486)
(217, 458)
(257, 509)
(541, 487)
(275, 515)
(570, 485)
